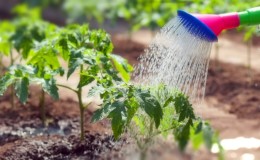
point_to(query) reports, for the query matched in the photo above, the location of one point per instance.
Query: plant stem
(12, 86)
(12, 95)
(42, 108)
(81, 107)
(143, 155)
(60, 85)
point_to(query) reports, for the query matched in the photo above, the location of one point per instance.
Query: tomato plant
(90, 52)
(148, 112)
(20, 36)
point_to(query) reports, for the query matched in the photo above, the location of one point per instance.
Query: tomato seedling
(149, 112)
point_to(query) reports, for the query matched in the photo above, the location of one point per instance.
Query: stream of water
(177, 59)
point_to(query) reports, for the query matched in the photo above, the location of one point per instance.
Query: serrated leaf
(119, 118)
(182, 134)
(122, 67)
(95, 91)
(21, 88)
(199, 127)
(150, 105)
(72, 39)
(117, 112)
(132, 107)
(65, 49)
(102, 112)
(51, 88)
(85, 80)
(168, 101)
(75, 60)
(5, 81)
(183, 107)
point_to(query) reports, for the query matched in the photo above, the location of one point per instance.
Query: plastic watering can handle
(250, 16)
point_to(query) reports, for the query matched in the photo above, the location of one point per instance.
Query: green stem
(60, 85)
(42, 108)
(12, 86)
(143, 155)
(11, 58)
(147, 141)
(12, 95)
(81, 107)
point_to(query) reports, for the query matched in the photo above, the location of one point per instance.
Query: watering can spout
(218, 23)
(212, 24)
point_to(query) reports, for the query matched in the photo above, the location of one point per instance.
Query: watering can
(209, 26)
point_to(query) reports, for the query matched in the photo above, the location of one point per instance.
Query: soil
(128, 49)
(236, 86)
(94, 146)
(23, 134)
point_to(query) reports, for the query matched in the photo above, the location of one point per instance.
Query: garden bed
(24, 136)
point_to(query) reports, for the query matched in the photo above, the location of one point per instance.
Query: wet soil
(23, 135)
(94, 146)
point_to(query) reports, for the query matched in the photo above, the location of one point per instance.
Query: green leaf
(122, 66)
(182, 134)
(117, 112)
(168, 101)
(5, 47)
(75, 60)
(132, 107)
(95, 90)
(197, 140)
(21, 88)
(183, 107)
(199, 127)
(5, 81)
(51, 88)
(150, 105)
(103, 112)
(65, 49)
(119, 119)
(197, 135)
(85, 80)
(72, 39)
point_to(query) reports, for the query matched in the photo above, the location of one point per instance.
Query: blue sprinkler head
(196, 27)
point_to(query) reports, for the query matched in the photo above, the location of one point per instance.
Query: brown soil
(23, 135)
(236, 86)
(94, 146)
(129, 49)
